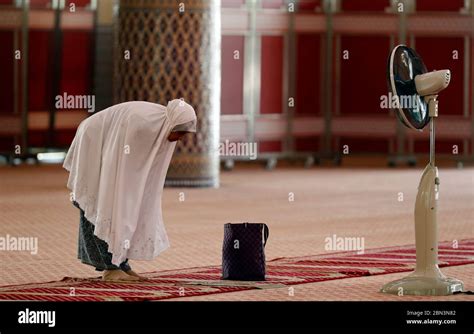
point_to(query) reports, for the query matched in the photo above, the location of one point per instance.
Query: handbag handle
(266, 233)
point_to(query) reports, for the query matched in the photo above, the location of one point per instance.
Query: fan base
(423, 286)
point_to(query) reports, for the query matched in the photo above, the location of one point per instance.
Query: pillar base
(193, 170)
(192, 183)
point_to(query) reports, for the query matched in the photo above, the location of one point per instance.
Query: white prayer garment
(118, 162)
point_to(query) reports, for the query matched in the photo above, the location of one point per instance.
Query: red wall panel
(47, 3)
(271, 75)
(6, 64)
(266, 146)
(362, 145)
(308, 74)
(439, 5)
(363, 75)
(232, 75)
(309, 5)
(76, 63)
(79, 3)
(362, 83)
(307, 144)
(365, 5)
(39, 71)
(442, 146)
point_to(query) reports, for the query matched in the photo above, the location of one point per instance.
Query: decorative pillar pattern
(167, 49)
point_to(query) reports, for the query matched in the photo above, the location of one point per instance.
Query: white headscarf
(118, 162)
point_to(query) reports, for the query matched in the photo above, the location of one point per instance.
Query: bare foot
(118, 275)
(134, 274)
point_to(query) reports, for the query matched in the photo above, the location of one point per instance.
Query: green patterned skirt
(92, 250)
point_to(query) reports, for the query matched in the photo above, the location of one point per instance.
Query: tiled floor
(347, 202)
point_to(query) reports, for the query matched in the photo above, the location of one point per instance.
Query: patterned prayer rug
(281, 272)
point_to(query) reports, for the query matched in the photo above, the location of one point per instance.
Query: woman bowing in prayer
(117, 166)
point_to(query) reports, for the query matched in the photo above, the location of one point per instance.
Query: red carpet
(206, 280)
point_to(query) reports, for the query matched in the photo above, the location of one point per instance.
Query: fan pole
(433, 112)
(432, 141)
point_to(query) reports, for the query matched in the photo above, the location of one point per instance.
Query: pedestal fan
(415, 91)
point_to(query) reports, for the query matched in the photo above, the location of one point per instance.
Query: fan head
(404, 65)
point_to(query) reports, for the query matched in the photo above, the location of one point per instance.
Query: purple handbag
(243, 251)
